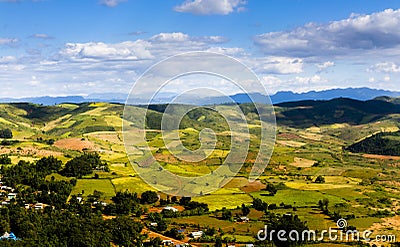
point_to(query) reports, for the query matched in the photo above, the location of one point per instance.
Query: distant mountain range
(280, 97)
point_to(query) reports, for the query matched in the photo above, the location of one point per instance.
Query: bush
(5, 160)
(6, 134)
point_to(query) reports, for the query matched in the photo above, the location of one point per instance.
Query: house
(11, 196)
(79, 198)
(27, 206)
(244, 219)
(249, 245)
(153, 224)
(38, 206)
(101, 203)
(9, 236)
(171, 208)
(167, 242)
(197, 234)
(231, 245)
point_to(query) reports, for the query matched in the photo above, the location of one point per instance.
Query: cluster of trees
(68, 228)
(35, 186)
(84, 165)
(4, 159)
(381, 143)
(287, 223)
(125, 203)
(6, 134)
(320, 180)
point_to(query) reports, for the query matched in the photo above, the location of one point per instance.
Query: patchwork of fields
(360, 188)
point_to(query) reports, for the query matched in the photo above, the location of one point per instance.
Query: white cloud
(213, 39)
(308, 80)
(211, 7)
(34, 81)
(230, 51)
(41, 36)
(128, 50)
(372, 32)
(386, 78)
(325, 65)
(111, 3)
(279, 65)
(385, 67)
(170, 37)
(8, 41)
(7, 59)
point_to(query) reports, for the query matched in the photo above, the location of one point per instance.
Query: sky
(64, 47)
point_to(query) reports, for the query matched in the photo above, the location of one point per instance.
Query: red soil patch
(382, 157)
(30, 151)
(289, 136)
(74, 144)
(253, 187)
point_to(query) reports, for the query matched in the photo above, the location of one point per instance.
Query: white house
(171, 208)
(197, 234)
(244, 219)
(11, 196)
(167, 242)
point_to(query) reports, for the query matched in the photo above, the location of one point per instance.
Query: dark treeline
(381, 143)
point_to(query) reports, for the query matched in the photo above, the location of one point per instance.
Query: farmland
(362, 188)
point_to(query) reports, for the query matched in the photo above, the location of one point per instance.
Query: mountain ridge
(362, 94)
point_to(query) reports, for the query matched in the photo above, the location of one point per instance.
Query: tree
(124, 204)
(6, 134)
(156, 242)
(245, 210)
(47, 165)
(286, 223)
(226, 214)
(271, 189)
(149, 197)
(174, 233)
(320, 179)
(126, 232)
(323, 205)
(4, 159)
(84, 165)
(218, 242)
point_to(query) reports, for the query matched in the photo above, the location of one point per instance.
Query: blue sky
(63, 47)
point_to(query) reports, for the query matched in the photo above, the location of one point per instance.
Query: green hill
(381, 143)
(309, 113)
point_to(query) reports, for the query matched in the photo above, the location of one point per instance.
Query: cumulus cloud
(325, 65)
(357, 33)
(111, 3)
(211, 7)
(308, 80)
(8, 41)
(170, 37)
(385, 67)
(129, 50)
(279, 65)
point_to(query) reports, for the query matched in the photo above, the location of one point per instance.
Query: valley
(314, 161)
